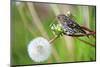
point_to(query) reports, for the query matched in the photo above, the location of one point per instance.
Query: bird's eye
(58, 17)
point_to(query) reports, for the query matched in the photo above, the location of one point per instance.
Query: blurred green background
(30, 20)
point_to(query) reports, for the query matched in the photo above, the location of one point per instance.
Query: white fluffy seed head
(39, 49)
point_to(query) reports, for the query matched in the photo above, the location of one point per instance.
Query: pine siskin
(69, 26)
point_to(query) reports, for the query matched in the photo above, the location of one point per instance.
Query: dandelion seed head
(39, 49)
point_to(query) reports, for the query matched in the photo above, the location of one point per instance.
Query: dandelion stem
(53, 39)
(86, 42)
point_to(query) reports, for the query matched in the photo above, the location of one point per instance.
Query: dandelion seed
(39, 49)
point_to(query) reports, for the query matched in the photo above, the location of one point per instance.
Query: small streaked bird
(69, 26)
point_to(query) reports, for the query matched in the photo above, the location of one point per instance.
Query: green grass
(24, 30)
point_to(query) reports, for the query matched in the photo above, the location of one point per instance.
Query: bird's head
(62, 18)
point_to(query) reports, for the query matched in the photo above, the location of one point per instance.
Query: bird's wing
(72, 27)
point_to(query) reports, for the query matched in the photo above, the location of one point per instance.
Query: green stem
(53, 39)
(86, 42)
